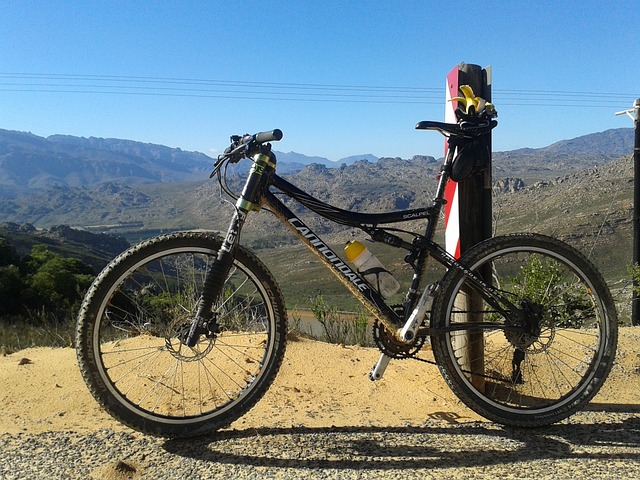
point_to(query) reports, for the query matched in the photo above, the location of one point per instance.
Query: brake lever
(233, 153)
(217, 165)
(240, 145)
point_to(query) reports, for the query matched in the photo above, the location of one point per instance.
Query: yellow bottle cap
(353, 249)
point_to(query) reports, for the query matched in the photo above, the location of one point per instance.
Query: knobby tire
(135, 314)
(504, 374)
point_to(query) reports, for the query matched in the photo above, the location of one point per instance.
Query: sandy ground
(41, 390)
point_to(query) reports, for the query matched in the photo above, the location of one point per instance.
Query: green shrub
(339, 327)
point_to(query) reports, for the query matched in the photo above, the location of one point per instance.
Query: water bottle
(371, 269)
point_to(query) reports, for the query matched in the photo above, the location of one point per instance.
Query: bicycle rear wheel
(537, 367)
(131, 330)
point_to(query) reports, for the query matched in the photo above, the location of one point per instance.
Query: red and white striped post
(451, 210)
(468, 213)
(468, 218)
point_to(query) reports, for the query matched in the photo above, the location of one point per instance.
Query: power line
(227, 96)
(24, 86)
(292, 92)
(187, 81)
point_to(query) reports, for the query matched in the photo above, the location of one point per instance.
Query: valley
(578, 190)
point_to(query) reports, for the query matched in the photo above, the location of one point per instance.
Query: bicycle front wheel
(132, 326)
(546, 360)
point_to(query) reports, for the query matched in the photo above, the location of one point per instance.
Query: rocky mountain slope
(29, 163)
(574, 190)
(565, 156)
(555, 189)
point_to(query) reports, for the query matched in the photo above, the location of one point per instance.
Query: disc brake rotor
(176, 347)
(533, 338)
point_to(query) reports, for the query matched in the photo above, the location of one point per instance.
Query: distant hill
(292, 162)
(135, 189)
(590, 208)
(615, 142)
(94, 249)
(564, 157)
(29, 163)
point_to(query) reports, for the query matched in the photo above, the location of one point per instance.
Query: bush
(352, 330)
(543, 283)
(11, 288)
(43, 282)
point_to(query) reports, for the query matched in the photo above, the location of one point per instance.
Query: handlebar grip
(271, 136)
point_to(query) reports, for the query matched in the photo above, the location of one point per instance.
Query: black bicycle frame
(368, 296)
(420, 249)
(257, 193)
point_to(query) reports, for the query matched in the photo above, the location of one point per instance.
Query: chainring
(391, 346)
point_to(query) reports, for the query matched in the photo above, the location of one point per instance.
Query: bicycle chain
(397, 350)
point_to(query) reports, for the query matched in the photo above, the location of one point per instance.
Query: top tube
(348, 217)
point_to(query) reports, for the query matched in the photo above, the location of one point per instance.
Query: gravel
(591, 445)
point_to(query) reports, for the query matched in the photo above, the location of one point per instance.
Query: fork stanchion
(468, 216)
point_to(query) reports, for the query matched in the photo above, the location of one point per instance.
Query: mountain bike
(182, 334)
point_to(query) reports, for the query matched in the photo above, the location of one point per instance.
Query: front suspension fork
(250, 200)
(214, 281)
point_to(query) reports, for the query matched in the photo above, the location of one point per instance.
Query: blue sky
(339, 78)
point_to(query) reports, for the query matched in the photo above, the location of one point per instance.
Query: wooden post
(468, 217)
(468, 213)
(475, 192)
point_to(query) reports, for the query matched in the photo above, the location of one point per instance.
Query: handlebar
(250, 141)
(247, 142)
(244, 145)
(270, 136)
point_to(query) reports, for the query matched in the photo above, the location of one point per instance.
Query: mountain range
(29, 163)
(135, 189)
(580, 190)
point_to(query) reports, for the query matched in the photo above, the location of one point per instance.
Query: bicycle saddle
(442, 127)
(465, 129)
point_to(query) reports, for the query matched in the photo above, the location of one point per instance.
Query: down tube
(370, 298)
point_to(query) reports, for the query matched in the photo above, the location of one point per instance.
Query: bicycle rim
(536, 376)
(141, 317)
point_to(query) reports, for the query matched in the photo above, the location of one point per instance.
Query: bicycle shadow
(440, 443)
(612, 407)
